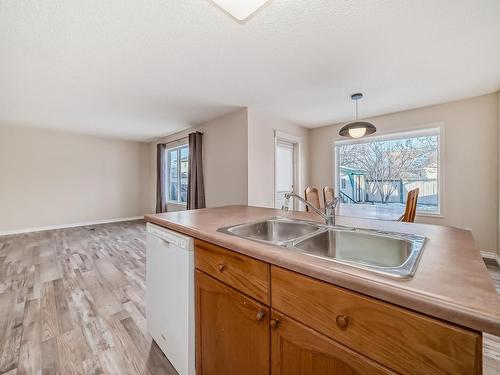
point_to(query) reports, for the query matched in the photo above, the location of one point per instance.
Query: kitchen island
(263, 308)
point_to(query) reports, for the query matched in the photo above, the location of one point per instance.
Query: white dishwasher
(170, 295)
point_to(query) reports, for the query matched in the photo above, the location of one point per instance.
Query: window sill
(437, 215)
(178, 204)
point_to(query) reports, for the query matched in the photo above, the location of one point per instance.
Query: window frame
(177, 202)
(420, 131)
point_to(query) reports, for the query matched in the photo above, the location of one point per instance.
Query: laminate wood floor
(72, 301)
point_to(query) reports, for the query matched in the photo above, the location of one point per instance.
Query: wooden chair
(328, 195)
(411, 207)
(312, 196)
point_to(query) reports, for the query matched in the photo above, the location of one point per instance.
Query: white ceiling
(138, 69)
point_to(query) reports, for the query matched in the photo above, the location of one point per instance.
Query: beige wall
(471, 166)
(238, 157)
(53, 178)
(261, 154)
(498, 155)
(224, 160)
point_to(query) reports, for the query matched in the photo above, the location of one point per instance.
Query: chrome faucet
(328, 215)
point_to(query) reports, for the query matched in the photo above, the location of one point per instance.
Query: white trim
(72, 225)
(287, 137)
(437, 215)
(490, 255)
(412, 131)
(176, 206)
(429, 129)
(176, 203)
(176, 143)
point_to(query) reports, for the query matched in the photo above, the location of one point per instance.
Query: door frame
(297, 145)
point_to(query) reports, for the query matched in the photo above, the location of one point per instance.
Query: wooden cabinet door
(232, 330)
(299, 350)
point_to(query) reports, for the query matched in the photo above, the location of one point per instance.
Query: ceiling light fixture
(357, 129)
(241, 10)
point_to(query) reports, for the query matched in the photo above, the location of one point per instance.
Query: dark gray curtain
(196, 188)
(161, 171)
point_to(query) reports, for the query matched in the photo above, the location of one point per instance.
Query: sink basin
(274, 230)
(360, 247)
(389, 253)
(383, 252)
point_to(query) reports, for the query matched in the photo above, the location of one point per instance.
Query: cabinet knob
(274, 323)
(342, 321)
(222, 267)
(260, 315)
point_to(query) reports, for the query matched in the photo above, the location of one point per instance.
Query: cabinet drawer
(248, 275)
(398, 338)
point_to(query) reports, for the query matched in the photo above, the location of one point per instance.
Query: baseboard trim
(488, 254)
(491, 256)
(72, 225)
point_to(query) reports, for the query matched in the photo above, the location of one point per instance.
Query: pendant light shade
(357, 129)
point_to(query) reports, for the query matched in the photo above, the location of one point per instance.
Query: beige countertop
(451, 282)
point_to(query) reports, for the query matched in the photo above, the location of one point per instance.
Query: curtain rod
(179, 139)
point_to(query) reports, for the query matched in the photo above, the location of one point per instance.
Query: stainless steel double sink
(389, 253)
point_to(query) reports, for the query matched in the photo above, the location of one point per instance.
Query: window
(381, 170)
(177, 174)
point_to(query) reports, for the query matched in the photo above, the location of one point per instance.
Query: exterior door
(285, 171)
(232, 330)
(299, 350)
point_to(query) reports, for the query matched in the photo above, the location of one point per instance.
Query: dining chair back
(411, 206)
(312, 196)
(328, 195)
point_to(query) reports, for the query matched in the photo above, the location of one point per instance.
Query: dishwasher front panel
(170, 296)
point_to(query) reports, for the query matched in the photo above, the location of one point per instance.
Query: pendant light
(357, 129)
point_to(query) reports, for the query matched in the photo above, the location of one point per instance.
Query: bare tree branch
(383, 163)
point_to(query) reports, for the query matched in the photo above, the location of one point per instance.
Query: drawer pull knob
(222, 267)
(274, 323)
(260, 315)
(342, 321)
